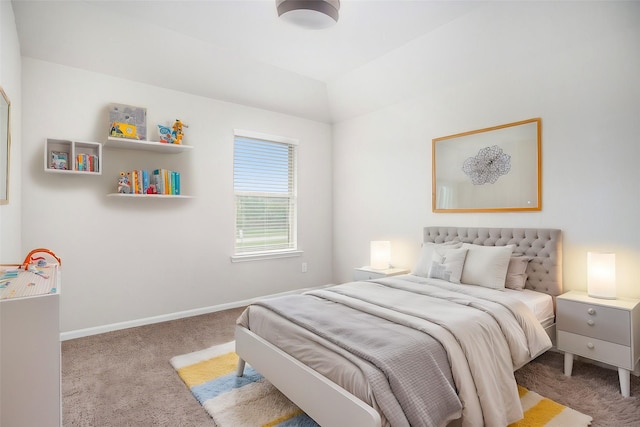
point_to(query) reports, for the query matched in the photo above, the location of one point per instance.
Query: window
(264, 180)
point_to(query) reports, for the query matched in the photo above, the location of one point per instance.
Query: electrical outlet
(304, 267)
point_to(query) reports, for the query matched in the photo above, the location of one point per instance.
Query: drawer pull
(590, 322)
(591, 311)
(590, 346)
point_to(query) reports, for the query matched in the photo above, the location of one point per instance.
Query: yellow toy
(177, 131)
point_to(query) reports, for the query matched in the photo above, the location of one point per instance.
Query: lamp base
(600, 296)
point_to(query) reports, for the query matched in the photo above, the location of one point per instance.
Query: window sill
(266, 255)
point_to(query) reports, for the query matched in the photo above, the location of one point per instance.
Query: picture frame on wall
(495, 169)
(5, 146)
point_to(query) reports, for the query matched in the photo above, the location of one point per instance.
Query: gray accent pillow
(447, 264)
(426, 253)
(516, 273)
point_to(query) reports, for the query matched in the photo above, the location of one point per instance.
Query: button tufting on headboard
(543, 244)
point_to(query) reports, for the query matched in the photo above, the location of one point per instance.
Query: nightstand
(604, 330)
(367, 273)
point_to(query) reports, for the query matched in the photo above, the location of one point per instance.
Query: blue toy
(166, 134)
(172, 135)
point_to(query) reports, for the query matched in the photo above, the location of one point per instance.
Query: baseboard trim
(80, 333)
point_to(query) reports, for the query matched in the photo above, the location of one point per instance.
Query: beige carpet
(591, 389)
(124, 378)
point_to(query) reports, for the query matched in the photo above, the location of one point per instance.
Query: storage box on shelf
(157, 147)
(72, 157)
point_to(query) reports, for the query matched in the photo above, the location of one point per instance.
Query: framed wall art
(488, 170)
(5, 146)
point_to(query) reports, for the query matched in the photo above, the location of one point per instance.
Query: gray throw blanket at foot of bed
(410, 363)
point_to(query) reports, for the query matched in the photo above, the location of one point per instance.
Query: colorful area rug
(251, 401)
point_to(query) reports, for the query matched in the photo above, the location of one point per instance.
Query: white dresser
(604, 330)
(30, 351)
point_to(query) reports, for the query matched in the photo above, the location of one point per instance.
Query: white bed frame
(331, 405)
(323, 400)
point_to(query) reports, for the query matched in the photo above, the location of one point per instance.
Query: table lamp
(380, 254)
(601, 275)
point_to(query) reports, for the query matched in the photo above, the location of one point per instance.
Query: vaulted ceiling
(232, 50)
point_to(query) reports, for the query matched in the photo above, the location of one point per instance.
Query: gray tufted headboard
(543, 244)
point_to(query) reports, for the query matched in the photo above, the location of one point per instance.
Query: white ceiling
(232, 50)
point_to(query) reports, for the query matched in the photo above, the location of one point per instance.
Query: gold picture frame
(5, 146)
(496, 169)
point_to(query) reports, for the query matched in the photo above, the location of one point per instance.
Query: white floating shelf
(151, 196)
(71, 172)
(136, 144)
(71, 150)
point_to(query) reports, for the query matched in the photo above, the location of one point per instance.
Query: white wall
(10, 80)
(125, 259)
(574, 65)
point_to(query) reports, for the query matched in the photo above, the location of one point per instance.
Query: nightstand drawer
(605, 323)
(359, 274)
(365, 275)
(603, 351)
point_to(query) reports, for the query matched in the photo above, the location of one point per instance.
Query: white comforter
(486, 335)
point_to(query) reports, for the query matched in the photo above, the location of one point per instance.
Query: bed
(434, 347)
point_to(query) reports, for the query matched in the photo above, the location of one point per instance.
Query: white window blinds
(264, 179)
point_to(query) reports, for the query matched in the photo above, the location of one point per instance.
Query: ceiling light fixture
(313, 14)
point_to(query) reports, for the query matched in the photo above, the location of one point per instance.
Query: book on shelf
(136, 182)
(59, 160)
(160, 181)
(87, 162)
(176, 183)
(167, 181)
(132, 185)
(145, 181)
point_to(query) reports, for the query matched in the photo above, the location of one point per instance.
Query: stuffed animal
(123, 184)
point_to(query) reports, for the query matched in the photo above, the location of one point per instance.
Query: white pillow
(486, 265)
(426, 253)
(447, 264)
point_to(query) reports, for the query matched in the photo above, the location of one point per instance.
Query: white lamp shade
(601, 275)
(380, 254)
